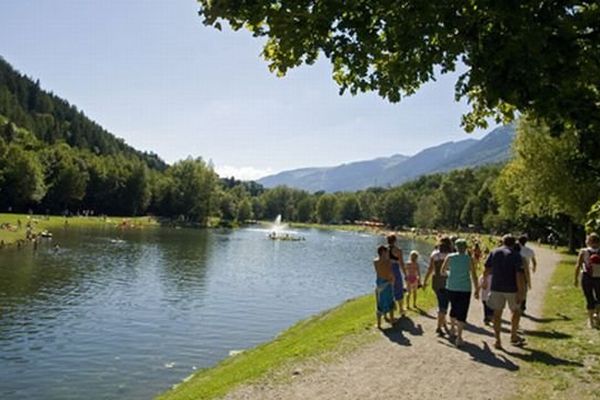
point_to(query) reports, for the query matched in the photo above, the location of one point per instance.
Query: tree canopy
(541, 58)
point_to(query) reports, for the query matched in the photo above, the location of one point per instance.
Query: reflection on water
(128, 314)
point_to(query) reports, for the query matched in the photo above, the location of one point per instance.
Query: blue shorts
(442, 298)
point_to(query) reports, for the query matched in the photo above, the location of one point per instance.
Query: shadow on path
(425, 314)
(396, 333)
(478, 330)
(485, 355)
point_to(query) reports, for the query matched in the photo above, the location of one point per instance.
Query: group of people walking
(453, 272)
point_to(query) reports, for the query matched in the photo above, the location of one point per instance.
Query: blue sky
(150, 72)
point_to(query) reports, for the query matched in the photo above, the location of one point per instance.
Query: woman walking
(588, 263)
(398, 269)
(462, 279)
(438, 281)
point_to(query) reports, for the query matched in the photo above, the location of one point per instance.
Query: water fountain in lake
(279, 231)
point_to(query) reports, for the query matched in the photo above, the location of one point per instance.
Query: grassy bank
(323, 337)
(565, 354)
(12, 231)
(340, 227)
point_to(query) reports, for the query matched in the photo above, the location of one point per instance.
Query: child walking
(488, 313)
(413, 278)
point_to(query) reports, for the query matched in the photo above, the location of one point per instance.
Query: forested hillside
(53, 159)
(52, 119)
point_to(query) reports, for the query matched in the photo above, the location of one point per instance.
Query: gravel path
(410, 360)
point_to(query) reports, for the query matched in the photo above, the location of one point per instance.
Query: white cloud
(242, 173)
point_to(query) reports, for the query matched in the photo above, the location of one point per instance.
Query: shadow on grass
(396, 333)
(559, 317)
(538, 356)
(485, 355)
(548, 334)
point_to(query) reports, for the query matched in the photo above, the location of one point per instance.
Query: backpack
(592, 264)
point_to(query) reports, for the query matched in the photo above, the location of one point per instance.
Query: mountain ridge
(396, 169)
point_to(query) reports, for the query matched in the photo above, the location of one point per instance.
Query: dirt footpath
(410, 360)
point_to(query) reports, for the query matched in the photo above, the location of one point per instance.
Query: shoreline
(14, 227)
(549, 366)
(320, 338)
(324, 336)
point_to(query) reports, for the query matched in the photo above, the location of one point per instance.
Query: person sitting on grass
(413, 278)
(588, 264)
(505, 264)
(384, 293)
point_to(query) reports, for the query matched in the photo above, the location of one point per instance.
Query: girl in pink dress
(413, 278)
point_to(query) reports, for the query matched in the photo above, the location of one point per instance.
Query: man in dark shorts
(505, 264)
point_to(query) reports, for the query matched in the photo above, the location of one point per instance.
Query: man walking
(505, 264)
(529, 266)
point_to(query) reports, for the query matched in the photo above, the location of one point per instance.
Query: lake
(128, 314)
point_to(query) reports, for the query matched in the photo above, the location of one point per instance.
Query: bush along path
(410, 360)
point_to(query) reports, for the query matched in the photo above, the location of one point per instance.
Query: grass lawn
(41, 223)
(322, 337)
(565, 362)
(341, 227)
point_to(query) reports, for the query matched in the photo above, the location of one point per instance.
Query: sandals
(518, 341)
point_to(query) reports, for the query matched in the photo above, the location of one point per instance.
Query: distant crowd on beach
(34, 235)
(456, 274)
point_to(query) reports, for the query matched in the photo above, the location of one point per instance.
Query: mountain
(333, 179)
(391, 171)
(52, 119)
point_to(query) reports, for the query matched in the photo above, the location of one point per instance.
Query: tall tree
(541, 177)
(193, 189)
(136, 191)
(306, 208)
(542, 181)
(22, 178)
(350, 208)
(398, 208)
(66, 177)
(244, 210)
(327, 208)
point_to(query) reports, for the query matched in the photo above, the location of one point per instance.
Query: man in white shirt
(528, 256)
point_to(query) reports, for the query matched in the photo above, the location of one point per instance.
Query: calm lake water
(128, 314)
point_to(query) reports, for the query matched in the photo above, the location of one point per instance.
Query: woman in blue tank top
(462, 279)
